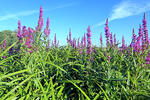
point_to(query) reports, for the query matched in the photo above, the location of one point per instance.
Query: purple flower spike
(4, 46)
(70, 37)
(89, 49)
(19, 35)
(137, 45)
(133, 39)
(55, 40)
(107, 32)
(147, 59)
(145, 30)
(74, 43)
(111, 39)
(47, 24)
(140, 31)
(84, 40)
(123, 43)
(40, 21)
(1, 46)
(78, 43)
(101, 39)
(25, 33)
(115, 41)
(47, 29)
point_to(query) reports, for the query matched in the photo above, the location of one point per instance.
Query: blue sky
(77, 14)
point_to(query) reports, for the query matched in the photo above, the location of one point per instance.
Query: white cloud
(127, 8)
(16, 15)
(31, 12)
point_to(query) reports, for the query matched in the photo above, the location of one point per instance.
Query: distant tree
(10, 36)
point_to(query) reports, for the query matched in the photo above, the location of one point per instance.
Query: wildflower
(108, 58)
(89, 49)
(55, 41)
(3, 46)
(11, 50)
(133, 39)
(107, 32)
(47, 29)
(137, 45)
(115, 42)
(25, 33)
(78, 43)
(147, 59)
(4, 57)
(29, 38)
(19, 35)
(70, 37)
(4, 42)
(101, 39)
(84, 40)
(74, 43)
(140, 31)
(145, 30)
(40, 21)
(123, 43)
(111, 39)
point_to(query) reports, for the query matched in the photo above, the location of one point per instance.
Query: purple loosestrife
(78, 43)
(107, 32)
(84, 40)
(101, 39)
(29, 38)
(123, 43)
(148, 58)
(108, 58)
(55, 40)
(143, 44)
(140, 31)
(3, 45)
(30, 34)
(4, 42)
(81, 50)
(70, 37)
(137, 45)
(115, 41)
(74, 43)
(111, 39)
(145, 30)
(25, 32)
(47, 29)
(40, 21)
(133, 39)
(19, 35)
(11, 50)
(89, 49)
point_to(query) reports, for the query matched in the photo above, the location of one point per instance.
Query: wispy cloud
(127, 8)
(63, 6)
(31, 12)
(16, 15)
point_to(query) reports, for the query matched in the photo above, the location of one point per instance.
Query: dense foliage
(32, 68)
